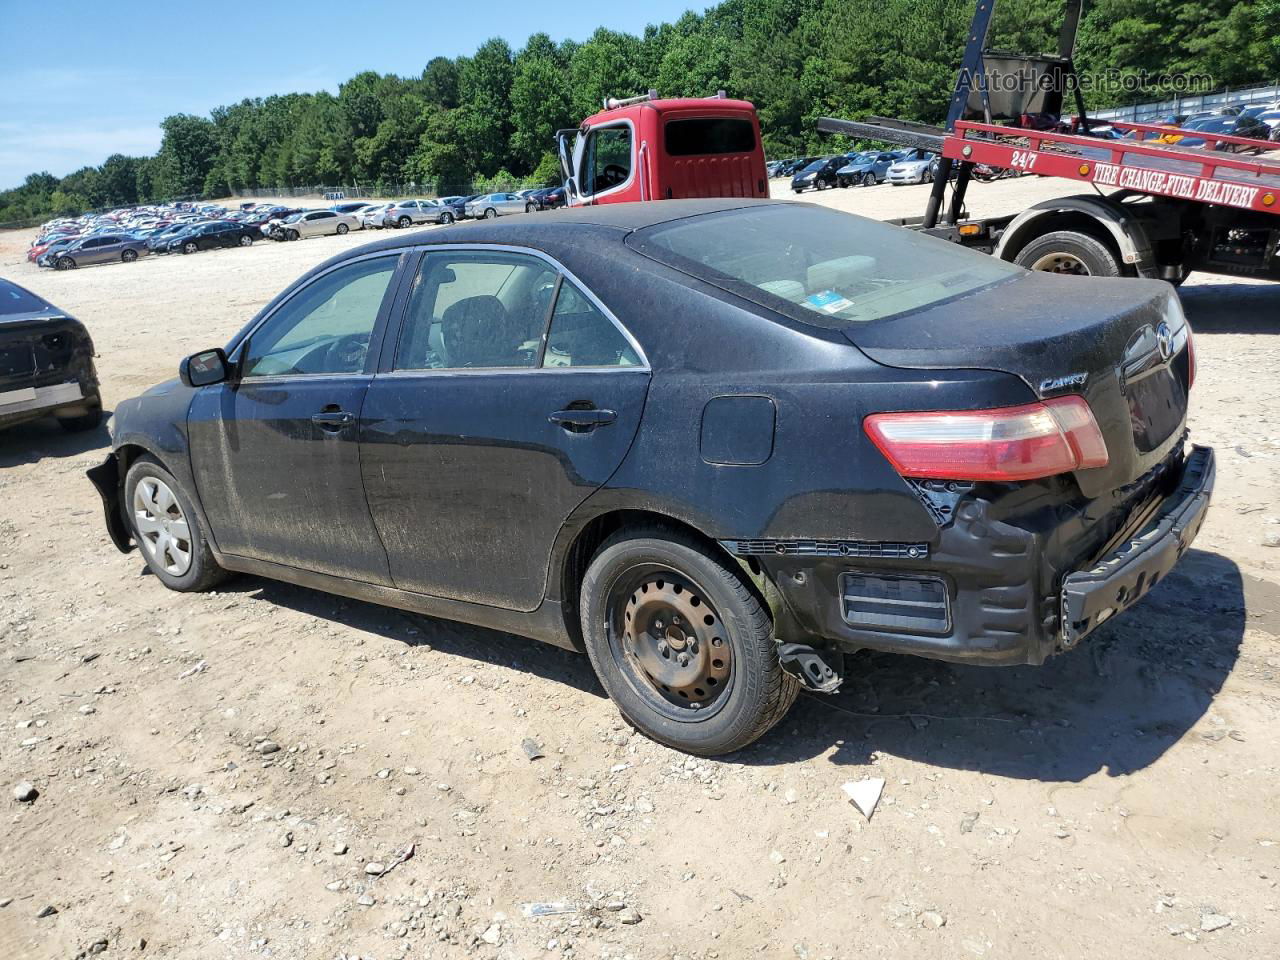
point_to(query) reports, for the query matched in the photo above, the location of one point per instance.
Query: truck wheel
(167, 529)
(682, 644)
(1070, 252)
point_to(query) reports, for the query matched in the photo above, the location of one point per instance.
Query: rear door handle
(333, 419)
(580, 421)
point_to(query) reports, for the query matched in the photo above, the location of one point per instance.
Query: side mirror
(204, 368)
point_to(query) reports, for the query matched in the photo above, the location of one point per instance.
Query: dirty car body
(900, 448)
(46, 363)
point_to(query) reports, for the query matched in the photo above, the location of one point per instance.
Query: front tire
(682, 644)
(869, 180)
(167, 529)
(530, 207)
(246, 240)
(490, 213)
(64, 263)
(189, 247)
(446, 218)
(292, 235)
(128, 256)
(1070, 252)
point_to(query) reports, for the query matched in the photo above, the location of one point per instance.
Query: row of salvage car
(122, 236)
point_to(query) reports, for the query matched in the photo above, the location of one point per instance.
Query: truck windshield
(819, 266)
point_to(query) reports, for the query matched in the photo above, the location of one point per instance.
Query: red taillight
(1005, 444)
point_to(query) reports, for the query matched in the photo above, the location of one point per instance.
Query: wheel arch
(1099, 217)
(577, 549)
(174, 456)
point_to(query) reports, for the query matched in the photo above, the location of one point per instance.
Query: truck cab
(646, 148)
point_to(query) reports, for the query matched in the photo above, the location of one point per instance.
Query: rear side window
(708, 135)
(13, 299)
(582, 336)
(821, 267)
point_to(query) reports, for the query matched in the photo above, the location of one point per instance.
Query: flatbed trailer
(1171, 210)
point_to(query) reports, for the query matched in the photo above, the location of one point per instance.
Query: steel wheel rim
(670, 643)
(163, 531)
(1065, 263)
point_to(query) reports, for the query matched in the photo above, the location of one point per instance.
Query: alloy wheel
(162, 526)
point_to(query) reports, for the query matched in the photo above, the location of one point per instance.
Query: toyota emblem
(1164, 340)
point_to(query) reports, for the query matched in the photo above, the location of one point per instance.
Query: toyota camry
(716, 445)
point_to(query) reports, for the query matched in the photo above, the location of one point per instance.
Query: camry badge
(1164, 340)
(1053, 384)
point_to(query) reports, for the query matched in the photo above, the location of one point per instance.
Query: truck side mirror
(204, 368)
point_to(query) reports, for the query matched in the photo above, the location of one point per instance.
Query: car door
(275, 449)
(481, 433)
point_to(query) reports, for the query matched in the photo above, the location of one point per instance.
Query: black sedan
(716, 444)
(46, 363)
(818, 175)
(208, 236)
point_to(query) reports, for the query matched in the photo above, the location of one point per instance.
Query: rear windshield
(820, 266)
(707, 135)
(13, 299)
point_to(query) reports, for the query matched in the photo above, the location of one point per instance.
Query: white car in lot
(495, 205)
(916, 168)
(311, 223)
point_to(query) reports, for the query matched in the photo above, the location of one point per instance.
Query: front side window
(326, 326)
(608, 159)
(476, 310)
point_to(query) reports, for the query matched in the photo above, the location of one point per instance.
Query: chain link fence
(1144, 112)
(392, 191)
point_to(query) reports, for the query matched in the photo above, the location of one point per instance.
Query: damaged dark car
(46, 363)
(716, 445)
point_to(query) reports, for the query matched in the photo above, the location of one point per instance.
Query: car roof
(623, 217)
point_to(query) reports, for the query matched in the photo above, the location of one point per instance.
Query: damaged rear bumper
(1118, 581)
(986, 590)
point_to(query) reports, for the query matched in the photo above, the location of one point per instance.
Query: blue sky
(96, 78)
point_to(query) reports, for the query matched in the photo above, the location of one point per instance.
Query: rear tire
(730, 688)
(87, 421)
(404, 222)
(446, 218)
(246, 240)
(342, 229)
(201, 571)
(128, 256)
(1070, 252)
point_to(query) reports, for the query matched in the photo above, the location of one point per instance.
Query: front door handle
(333, 420)
(581, 421)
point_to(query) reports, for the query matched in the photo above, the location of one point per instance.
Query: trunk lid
(1121, 344)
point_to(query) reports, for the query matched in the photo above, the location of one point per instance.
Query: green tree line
(493, 113)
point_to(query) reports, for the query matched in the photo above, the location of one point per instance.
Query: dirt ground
(1120, 801)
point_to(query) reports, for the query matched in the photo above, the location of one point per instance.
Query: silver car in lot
(371, 216)
(918, 167)
(405, 213)
(99, 248)
(495, 205)
(311, 223)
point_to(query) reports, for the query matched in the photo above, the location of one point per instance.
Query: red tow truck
(648, 148)
(1172, 209)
